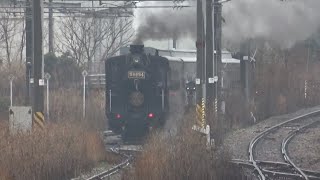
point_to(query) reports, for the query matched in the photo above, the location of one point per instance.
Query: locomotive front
(138, 82)
(136, 90)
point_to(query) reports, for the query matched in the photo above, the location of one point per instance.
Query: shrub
(4, 104)
(61, 151)
(182, 156)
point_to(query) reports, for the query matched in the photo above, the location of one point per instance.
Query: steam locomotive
(136, 91)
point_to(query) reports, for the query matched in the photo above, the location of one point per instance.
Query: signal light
(150, 115)
(118, 116)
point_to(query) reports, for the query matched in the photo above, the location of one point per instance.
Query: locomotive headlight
(136, 59)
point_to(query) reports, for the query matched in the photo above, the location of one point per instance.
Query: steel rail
(111, 171)
(276, 173)
(284, 148)
(114, 169)
(256, 139)
(247, 164)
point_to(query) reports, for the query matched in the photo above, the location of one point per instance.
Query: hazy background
(279, 23)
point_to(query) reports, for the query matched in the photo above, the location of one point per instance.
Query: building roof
(191, 56)
(182, 54)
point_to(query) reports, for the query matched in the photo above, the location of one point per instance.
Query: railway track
(284, 148)
(105, 174)
(264, 163)
(127, 152)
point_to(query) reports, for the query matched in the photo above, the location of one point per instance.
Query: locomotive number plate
(136, 75)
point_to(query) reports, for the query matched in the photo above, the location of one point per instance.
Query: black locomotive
(136, 91)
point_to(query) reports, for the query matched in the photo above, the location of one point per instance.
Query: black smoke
(160, 24)
(282, 23)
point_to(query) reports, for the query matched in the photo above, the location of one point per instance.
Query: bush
(67, 106)
(183, 156)
(19, 83)
(4, 104)
(63, 69)
(61, 151)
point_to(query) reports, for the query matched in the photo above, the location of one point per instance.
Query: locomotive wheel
(117, 130)
(124, 134)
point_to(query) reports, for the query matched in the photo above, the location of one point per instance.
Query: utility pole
(200, 44)
(209, 65)
(28, 19)
(218, 65)
(38, 96)
(245, 69)
(51, 35)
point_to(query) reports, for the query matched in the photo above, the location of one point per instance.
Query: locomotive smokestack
(136, 48)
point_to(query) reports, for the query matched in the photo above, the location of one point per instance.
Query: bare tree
(9, 30)
(120, 36)
(22, 43)
(12, 37)
(85, 36)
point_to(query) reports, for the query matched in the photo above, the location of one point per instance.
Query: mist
(279, 23)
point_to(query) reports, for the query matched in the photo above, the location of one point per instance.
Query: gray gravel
(269, 149)
(304, 149)
(99, 169)
(238, 141)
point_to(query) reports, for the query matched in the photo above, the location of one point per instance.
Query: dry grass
(279, 81)
(183, 156)
(61, 151)
(69, 144)
(18, 84)
(66, 105)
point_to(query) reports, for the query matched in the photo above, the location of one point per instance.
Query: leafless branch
(85, 36)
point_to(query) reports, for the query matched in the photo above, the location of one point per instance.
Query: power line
(92, 8)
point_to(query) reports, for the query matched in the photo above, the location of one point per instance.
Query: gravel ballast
(304, 149)
(238, 141)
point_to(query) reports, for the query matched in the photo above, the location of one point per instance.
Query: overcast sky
(280, 23)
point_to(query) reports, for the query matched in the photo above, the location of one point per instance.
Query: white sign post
(197, 80)
(84, 74)
(11, 77)
(206, 132)
(47, 76)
